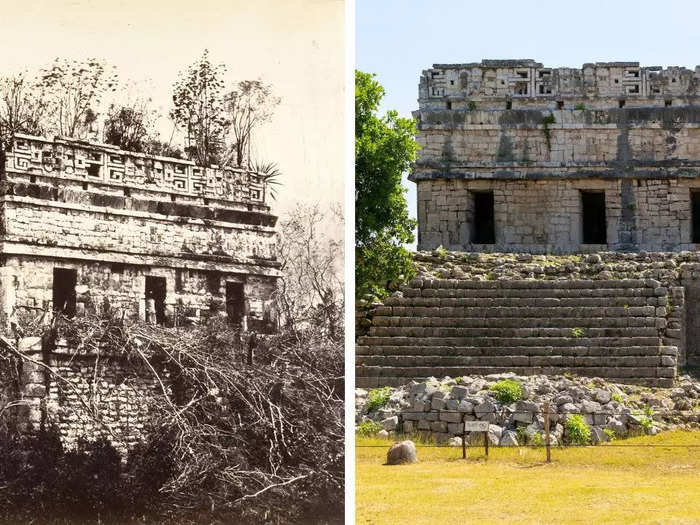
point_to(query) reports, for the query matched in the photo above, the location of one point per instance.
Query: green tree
(385, 148)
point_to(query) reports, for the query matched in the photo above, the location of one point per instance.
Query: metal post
(546, 432)
(486, 443)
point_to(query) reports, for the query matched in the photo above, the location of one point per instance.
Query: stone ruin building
(87, 227)
(573, 199)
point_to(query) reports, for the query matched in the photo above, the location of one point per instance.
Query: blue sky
(397, 39)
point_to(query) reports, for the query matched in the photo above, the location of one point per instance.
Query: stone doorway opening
(235, 303)
(155, 299)
(64, 297)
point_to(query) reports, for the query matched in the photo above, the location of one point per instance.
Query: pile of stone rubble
(437, 409)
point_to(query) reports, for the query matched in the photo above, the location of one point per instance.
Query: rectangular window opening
(695, 201)
(483, 231)
(93, 170)
(64, 297)
(155, 299)
(509, 104)
(449, 104)
(594, 220)
(668, 103)
(235, 303)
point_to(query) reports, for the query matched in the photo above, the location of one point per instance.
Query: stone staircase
(613, 329)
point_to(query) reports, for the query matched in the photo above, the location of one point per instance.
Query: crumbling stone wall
(89, 395)
(26, 284)
(118, 217)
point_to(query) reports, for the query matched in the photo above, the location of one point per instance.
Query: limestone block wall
(537, 137)
(464, 139)
(88, 397)
(545, 215)
(608, 328)
(26, 284)
(109, 229)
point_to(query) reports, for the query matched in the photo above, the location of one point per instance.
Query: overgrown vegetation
(507, 391)
(232, 442)
(577, 332)
(86, 100)
(368, 428)
(546, 122)
(577, 430)
(378, 397)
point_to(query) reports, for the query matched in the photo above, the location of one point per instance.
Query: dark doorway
(483, 231)
(235, 303)
(594, 222)
(695, 200)
(155, 291)
(64, 280)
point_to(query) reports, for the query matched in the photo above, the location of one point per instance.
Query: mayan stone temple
(88, 228)
(558, 226)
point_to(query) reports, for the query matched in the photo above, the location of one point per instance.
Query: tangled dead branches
(261, 442)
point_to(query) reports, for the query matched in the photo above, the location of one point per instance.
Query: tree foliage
(130, 126)
(311, 291)
(198, 110)
(228, 441)
(248, 106)
(22, 107)
(74, 92)
(385, 148)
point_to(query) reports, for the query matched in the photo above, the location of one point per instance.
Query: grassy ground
(604, 484)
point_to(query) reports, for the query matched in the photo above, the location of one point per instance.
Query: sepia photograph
(171, 262)
(527, 246)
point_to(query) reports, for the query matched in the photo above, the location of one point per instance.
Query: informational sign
(476, 426)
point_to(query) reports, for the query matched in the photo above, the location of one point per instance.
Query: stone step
(456, 371)
(508, 341)
(524, 333)
(419, 283)
(441, 361)
(653, 350)
(552, 311)
(379, 381)
(515, 322)
(526, 293)
(488, 302)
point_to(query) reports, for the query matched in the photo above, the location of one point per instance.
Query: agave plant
(269, 174)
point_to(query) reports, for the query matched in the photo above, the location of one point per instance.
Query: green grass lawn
(603, 484)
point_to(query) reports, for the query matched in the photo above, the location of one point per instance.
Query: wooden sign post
(475, 426)
(546, 432)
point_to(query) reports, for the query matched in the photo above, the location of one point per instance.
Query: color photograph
(526, 248)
